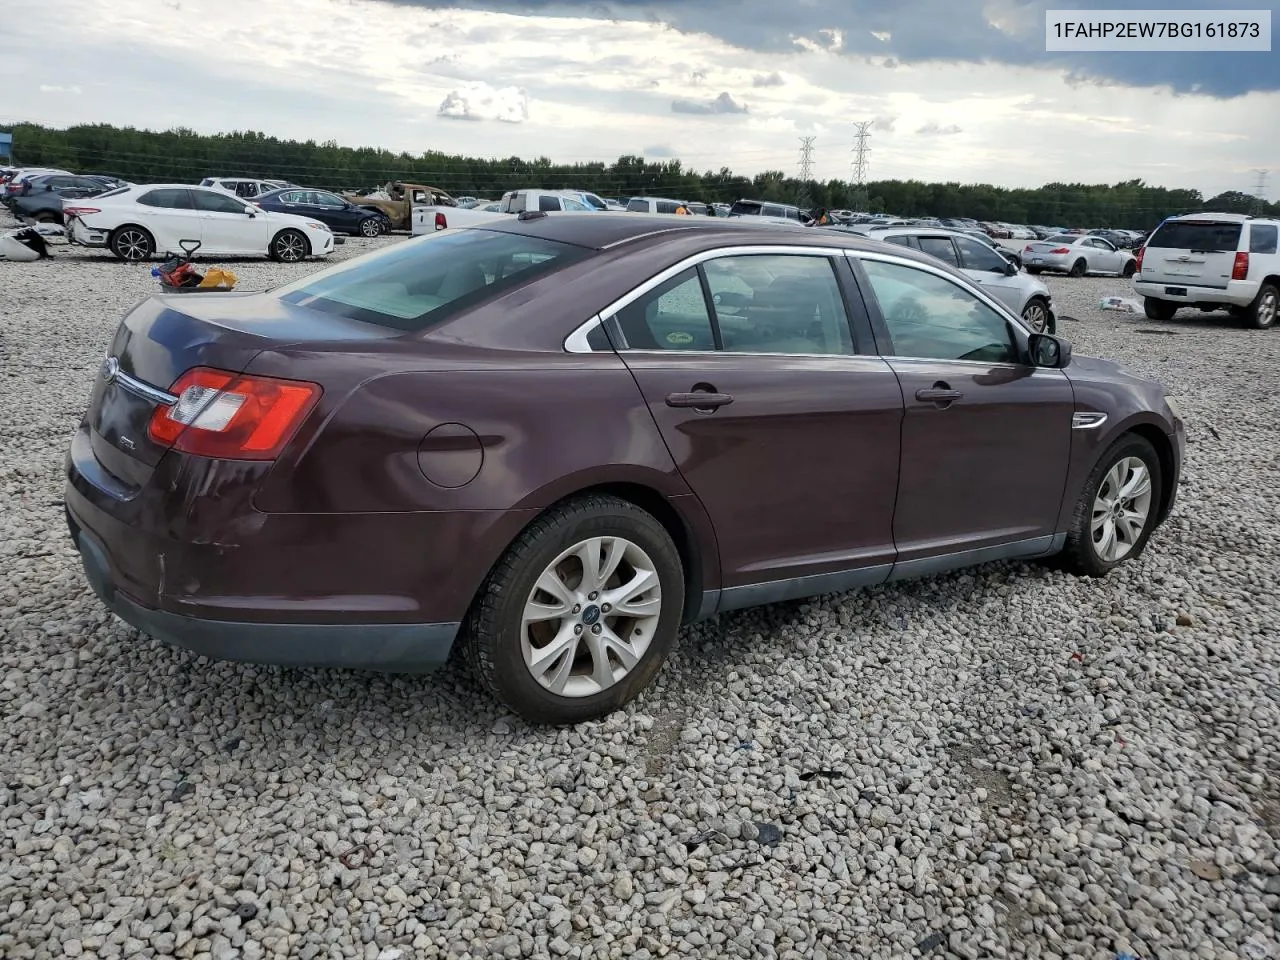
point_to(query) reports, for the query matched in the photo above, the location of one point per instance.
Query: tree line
(182, 155)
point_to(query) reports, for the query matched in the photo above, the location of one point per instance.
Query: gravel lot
(1007, 762)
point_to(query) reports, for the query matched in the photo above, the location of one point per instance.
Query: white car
(245, 187)
(1212, 261)
(1076, 254)
(135, 223)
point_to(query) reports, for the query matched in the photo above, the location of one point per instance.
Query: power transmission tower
(806, 169)
(1260, 191)
(861, 151)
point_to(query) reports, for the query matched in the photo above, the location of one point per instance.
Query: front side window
(211, 202)
(672, 316)
(978, 256)
(941, 248)
(169, 198)
(571, 204)
(416, 285)
(778, 303)
(931, 317)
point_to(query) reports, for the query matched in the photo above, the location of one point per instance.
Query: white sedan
(1076, 254)
(136, 223)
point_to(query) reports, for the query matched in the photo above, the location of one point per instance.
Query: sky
(958, 90)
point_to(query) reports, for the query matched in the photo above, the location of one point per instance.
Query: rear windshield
(1067, 238)
(418, 284)
(1202, 235)
(747, 208)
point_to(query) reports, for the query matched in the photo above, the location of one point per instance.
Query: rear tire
(47, 217)
(1261, 314)
(1079, 268)
(1159, 310)
(593, 674)
(289, 246)
(1117, 509)
(1034, 271)
(132, 244)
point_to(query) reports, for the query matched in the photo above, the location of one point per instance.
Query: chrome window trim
(576, 341)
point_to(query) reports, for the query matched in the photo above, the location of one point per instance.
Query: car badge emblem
(126, 443)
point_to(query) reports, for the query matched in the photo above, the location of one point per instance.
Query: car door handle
(938, 393)
(699, 400)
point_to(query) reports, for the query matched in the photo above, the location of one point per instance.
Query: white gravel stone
(1029, 763)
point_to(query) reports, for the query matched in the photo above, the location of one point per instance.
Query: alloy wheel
(1267, 308)
(1036, 316)
(370, 227)
(291, 247)
(1121, 509)
(133, 245)
(591, 616)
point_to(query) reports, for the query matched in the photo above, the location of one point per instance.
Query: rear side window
(171, 198)
(513, 203)
(941, 248)
(746, 208)
(415, 285)
(1203, 235)
(667, 206)
(638, 206)
(548, 203)
(1262, 237)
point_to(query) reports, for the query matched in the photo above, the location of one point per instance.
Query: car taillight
(441, 222)
(1028, 249)
(79, 211)
(1061, 250)
(1240, 269)
(231, 416)
(1137, 259)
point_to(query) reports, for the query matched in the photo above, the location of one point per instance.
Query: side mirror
(1010, 268)
(1049, 351)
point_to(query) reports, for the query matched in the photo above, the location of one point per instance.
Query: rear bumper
(84, 236)
(390, 647)
(1237, 293)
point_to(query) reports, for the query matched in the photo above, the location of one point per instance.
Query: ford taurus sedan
(553, 439)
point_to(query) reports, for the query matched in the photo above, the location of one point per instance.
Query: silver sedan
(1077, 254)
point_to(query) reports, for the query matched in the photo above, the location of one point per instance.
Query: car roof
(605, 229)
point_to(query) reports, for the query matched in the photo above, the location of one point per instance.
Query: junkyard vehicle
(1212, 261)
(135, 223)
(1077, 254)
(342, 216)
(246, 188)
(42, 201)
(396, 201)
(805, 412)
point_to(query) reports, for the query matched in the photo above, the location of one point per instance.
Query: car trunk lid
(164, 337)
(1195, 253)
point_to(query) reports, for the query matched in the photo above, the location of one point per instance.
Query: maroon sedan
(555, 439)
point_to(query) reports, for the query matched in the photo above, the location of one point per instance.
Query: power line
(861, 151)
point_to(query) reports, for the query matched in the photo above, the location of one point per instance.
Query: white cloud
(48, 88)
(480, 101)
(933, 129)
(372, 74)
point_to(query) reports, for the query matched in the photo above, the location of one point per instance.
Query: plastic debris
(1123, 304)
(23, 245)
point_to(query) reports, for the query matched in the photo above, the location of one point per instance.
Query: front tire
(1129, 270)
(132, 244)
(289, 246)
(370, 228)
(1117, 509)
(1262, 312)
(580, 613)
(1034, 271)
(1079, 268)
(1036, 314)
(1159, 310)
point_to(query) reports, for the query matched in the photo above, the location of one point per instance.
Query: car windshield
(415, 285)
(1206, 235)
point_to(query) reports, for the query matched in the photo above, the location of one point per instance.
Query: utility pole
(1260, 191)
(861, 151)
(806, 169)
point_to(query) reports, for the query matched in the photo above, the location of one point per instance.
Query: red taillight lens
(231, 417)
(1240, 269)
(1137, 259)
(1028, 249)
(1060, 250)
(441, 222)
(79, 211)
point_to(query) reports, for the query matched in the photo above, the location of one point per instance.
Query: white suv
(1211, 261)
